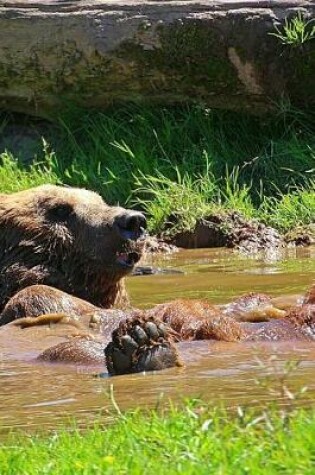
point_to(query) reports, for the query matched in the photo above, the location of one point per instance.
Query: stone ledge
(97, 53)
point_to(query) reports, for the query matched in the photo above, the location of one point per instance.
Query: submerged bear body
(142, 340)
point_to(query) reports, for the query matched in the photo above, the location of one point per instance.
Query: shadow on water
(36, 396)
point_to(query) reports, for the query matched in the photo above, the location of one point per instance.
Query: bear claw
(141, 344)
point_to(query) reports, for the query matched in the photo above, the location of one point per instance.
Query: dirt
(230, 230)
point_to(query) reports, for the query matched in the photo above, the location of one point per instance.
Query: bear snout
(131, 225)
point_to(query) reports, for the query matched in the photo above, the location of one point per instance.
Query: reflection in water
(35, 396)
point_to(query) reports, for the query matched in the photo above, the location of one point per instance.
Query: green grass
(192, 440)
(177, 205)
(15, 178)
(289, 211)
(108, 150)
(180, 163)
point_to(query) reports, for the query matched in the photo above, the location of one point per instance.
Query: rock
(93, 53)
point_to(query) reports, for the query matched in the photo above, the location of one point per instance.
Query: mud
(233, 230)
(301, 236)
(230, 230)
(154, 245)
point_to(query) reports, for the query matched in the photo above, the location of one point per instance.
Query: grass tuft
(290, 210)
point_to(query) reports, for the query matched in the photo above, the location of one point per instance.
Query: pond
(35, 396)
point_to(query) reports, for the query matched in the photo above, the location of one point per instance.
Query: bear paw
(141, 344)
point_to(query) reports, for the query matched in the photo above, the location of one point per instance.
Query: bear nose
(131, 225)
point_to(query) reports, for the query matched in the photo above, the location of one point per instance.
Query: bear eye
(60, 212)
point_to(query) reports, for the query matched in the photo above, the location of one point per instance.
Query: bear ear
(59, 212)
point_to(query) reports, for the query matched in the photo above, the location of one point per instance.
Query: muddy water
(35, 396)
(221, 275)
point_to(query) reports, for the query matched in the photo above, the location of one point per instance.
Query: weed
(276, 379)
(295, 31)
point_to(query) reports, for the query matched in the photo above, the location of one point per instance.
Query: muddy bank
(96, 53)
(233, 230)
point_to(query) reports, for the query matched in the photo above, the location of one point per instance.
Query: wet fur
(65, 238)
(188, 319)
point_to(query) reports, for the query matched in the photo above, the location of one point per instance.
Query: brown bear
(61, 245)
(69, 239)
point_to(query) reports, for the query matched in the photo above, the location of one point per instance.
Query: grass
(15, 178)
(289, 211)
(177, 205)
(192, 440)
(110, 149)
(169, 203)
(180, 163)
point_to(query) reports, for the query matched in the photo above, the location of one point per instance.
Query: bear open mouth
(128, 259)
